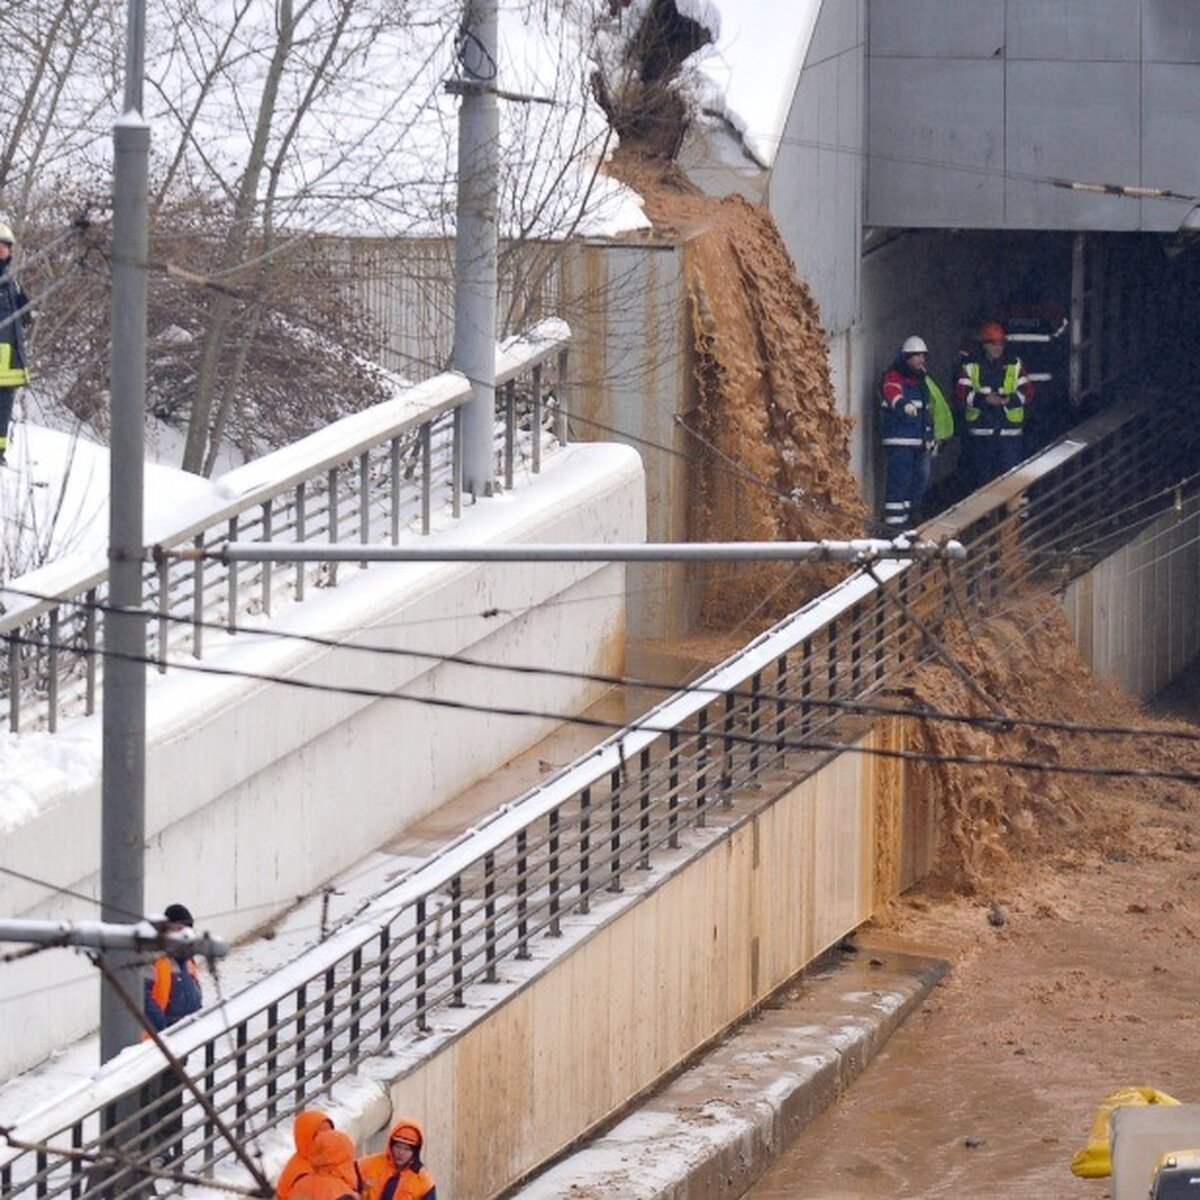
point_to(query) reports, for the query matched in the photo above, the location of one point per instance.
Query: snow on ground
(54, 499)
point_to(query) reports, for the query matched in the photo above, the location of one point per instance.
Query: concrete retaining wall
(1136, 615)
(257, 793)
(660, 972)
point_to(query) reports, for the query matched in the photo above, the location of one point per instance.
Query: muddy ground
(1070, 911)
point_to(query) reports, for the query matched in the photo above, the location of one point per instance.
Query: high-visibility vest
(11, 376)
(1015, 416)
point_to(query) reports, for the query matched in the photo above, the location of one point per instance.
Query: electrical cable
(762, 742)
(859, 707)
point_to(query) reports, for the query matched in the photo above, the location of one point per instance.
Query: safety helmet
(992, 331)
(913, 345)
(6, 234)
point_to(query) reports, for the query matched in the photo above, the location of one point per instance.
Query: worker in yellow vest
(15, 319)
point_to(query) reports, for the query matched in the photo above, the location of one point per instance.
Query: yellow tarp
(1094, 1161)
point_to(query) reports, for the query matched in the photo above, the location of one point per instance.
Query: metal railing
(464, 924)
(381, 475)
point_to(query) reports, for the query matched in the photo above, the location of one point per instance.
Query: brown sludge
(773, 451)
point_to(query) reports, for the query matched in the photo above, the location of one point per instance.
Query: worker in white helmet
(915, 418)
(15, 318)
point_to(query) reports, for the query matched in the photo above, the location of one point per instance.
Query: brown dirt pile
(773, 452)
(992, 818)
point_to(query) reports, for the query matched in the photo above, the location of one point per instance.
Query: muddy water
(770, 451)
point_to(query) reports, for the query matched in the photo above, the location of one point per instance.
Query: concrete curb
(714, 1130)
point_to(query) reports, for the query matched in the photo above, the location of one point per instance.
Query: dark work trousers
(907, 479)
(992, 453)
(7, 396)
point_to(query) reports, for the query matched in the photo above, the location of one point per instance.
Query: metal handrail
(469, 917)
(384, 473)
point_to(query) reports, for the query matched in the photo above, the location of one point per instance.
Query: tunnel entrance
(1095, 317)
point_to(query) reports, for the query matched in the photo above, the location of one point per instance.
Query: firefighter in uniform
(993, 391)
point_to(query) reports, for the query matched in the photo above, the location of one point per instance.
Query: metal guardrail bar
(572, 843)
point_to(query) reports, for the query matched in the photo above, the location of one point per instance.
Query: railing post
(535, 421)
(421, 998)
(52, 672)
(89, 637)
(456, 940)
(644, 800)
(562, 430)
(426, 479)
(301, 533)
(198, 598)
(231, 580)
(364, 502)
(585, 847)
(555, 929)
(456, 469)
(510, 432)
(164, 608)
(701, 765)
(385, 985)
(673, 789)
(727, 744)
(14, 682)
(394, 477)
(781, 706)
(268, 523)
(522, 840)
(614, 829)
(334, 510)
(491, 957)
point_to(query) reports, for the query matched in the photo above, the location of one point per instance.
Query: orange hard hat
(992, 331)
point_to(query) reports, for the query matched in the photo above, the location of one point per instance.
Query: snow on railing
(389, 472)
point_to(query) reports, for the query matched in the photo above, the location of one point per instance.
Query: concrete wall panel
(1134, 615)
(1170, 31)
(816, 184)
(1074, 30)
(1171, 115)
(932, 28)
(1075, 121)
(924, 114)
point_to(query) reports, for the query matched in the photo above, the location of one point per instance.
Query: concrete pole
(475, 271)
(123, 780)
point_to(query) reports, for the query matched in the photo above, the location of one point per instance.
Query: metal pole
(123, 780)
(475, 270)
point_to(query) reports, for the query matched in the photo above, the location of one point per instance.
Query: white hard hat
(6, 234)
(914, 345)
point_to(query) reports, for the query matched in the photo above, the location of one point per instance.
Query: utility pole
(123, 780)
(475, 271)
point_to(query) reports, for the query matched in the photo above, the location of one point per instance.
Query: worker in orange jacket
(171, 992)
(333, 1175)
(396, 1172)
(305, 1128)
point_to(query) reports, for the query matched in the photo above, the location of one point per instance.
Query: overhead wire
(802, 744)
(632, 682)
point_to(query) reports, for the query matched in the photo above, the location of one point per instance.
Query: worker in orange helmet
(993, 390)
(397, 1172)
(305, 1128)
(333, 1175)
